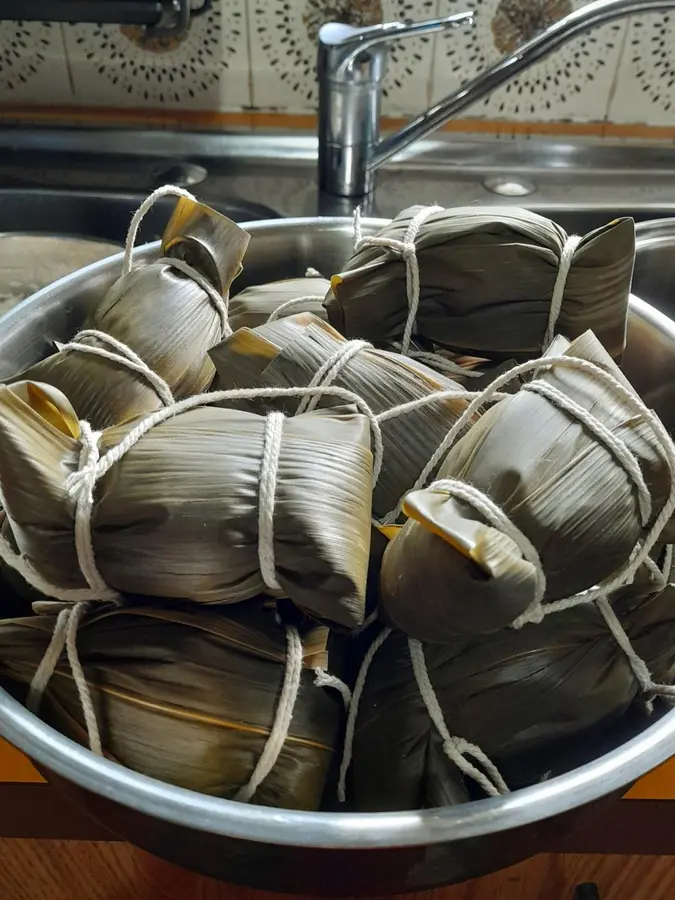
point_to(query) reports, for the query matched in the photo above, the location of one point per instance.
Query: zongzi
(188, 695)
(557, 479)
(510, 693)
(255, 305)
(181, 511)
(303, 350)
(145, 343)
(487, 279)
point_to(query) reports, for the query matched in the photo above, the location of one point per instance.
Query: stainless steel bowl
(654, 277)
(324, 853)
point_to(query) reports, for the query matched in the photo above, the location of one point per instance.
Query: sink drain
(510, 186)
(181, 174)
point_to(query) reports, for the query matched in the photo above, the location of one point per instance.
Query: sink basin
(48, 233)
(654, 277)
(99, 215)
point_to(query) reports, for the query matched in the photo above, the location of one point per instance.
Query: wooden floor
(73, 870)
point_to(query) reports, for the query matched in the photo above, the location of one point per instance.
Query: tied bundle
(437, 722)
(495, 282)
(486, 689)
(190, 696)
(145, 343)
(196, 502)
(546, 496)
(415, 406)
(263, 302)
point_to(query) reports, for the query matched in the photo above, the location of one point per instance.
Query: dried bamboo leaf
(187, 696)
(254, 305)
(177, 516)
(512, 693)
(487, 278)
(555, 480)
(162, 315)
(290, 351)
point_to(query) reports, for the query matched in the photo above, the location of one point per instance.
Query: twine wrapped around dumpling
(491, 282)
(195, 502)
(499, 698)
(257, 304)
(189, 696)
(145, 343)
(302, 350)
(546, 496)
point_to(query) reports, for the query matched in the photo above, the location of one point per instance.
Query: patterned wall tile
(33, 65)
(645, 89)
(284, 46)
(207, 68)
(574, 83)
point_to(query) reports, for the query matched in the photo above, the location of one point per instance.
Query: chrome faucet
(351, 66)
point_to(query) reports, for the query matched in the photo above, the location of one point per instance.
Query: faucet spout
(350, 148)
(581, 20)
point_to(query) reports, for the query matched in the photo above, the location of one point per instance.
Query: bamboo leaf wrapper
(187, 696)
(486, 281)
(254, 305)
(292, 351)
(511, 693)
(177, 516)
(161, 314)
(554, 479)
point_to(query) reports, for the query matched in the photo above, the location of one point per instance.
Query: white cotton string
(83, 691)
(639, 667)
(407, 250)
(435, 397)
(326, 374)
(564, 267)
(350, 728)
(615, 445)
(283, 717)
(325, 679)
(81, 490)
(667, 562)
(31, 576)
(167, 190)
(274, 425)
(294, 303)
(63, 637)
(122, 355)
(49, 661)
(161, 415)
(220, 304)
(358, 232)
(455, 748)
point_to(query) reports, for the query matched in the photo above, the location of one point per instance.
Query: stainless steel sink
(654, 278)
(98, 214)
(263, 175)
(46, 233)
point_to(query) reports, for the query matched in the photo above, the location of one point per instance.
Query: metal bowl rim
(346, 831)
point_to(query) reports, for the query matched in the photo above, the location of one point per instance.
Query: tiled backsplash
(246, 55)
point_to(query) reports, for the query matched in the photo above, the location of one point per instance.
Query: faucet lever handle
(352, 40)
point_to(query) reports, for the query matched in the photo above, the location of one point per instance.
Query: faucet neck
(349, 116)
